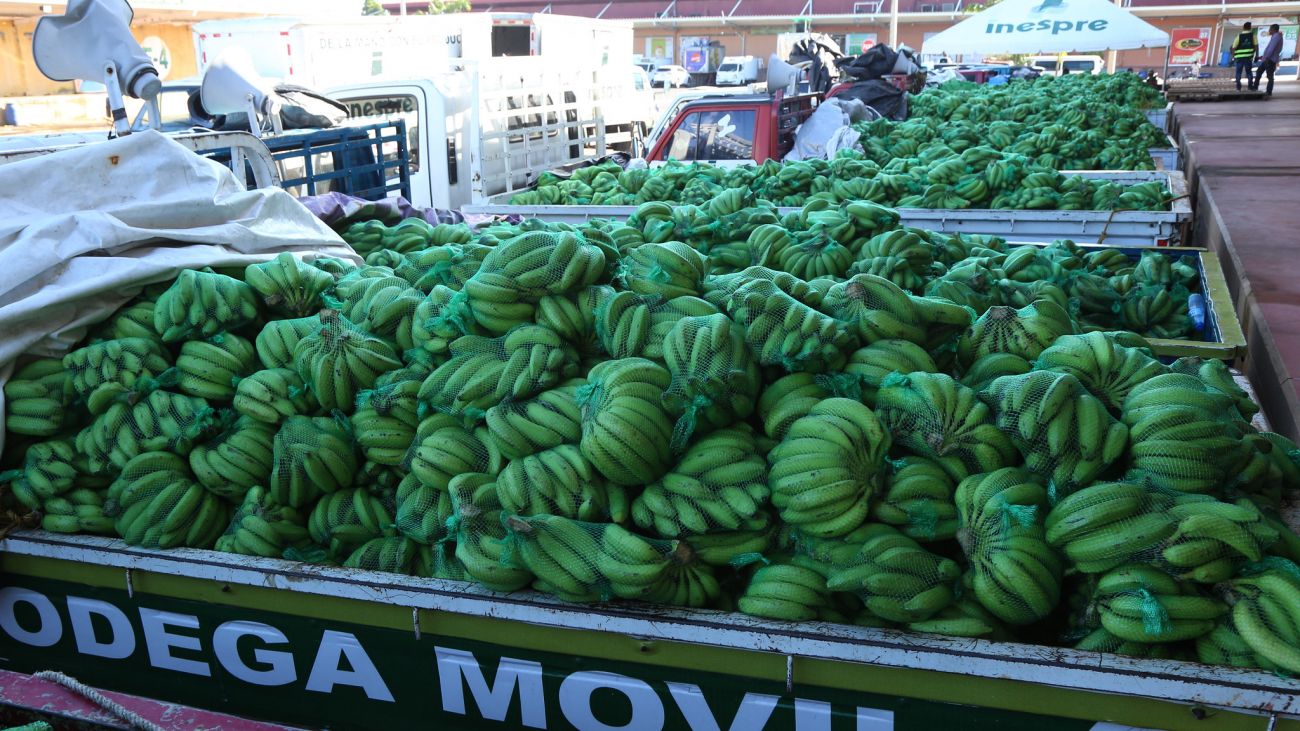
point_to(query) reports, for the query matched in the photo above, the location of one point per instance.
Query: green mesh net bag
(895, 577)
(313, 456)
(1223, 645)
(1141, 603)
(626, 429)
(339, 359)
(573, 317)
(121, 362)
(133, 320)
(828, 467)
(157, 504)
(1216, 374)
(210, 369)
(160, 421)
(934, 416)
(918, 500)
(1212, 538)
(237, 459)
(1107, 369)
(423, 512)
(260, 527)
(201, 304)
(1184, 435)
(1263, 613)
(478, 528)
(629, 325)
(782, 331)
(688, 582)
(549, 419)
(390, 554)
(443, 448)
(1065, 434)
(1014, 572)
(277, 339)
(449, 265)
(1108, 524)
(559, 481)
(719, 484)
(1157, 312)
(1271, 472)
(50, 469)
(385, 421)
(288, 286)
(79, 510)
(715, 380)
(792, 396)
(345, 519)
(1026, 332)
(873, 364)
(272, 395)
(439, 319)
(988, 368)
(719, 288)
(37, 399)
(670, 269)
(803, 253)
(483, 372)
(382, 306)
(584, 562)
(724, 549)
(529, 266)
(790, 588)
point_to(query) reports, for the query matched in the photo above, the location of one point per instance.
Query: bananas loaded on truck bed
(816, 417)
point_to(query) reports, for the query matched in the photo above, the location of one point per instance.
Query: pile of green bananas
(821, 416)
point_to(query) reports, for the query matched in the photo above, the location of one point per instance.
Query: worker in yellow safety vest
(1244, 51)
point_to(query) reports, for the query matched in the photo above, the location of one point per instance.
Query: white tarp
(83, 230)
(1047, 26)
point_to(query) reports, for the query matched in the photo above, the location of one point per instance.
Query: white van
(1073, 64)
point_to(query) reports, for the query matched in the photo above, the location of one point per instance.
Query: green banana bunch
(260, 527)
(390, 554)
(1216, 374)
(786, 589)
(876, 309)
(385, 421)
(37, 399)
(626, 430)
(828, 467)
(934, 416)
(874, 363)
(289, 286)
(133, 320)
(725, 548)
(988, 368)
(719, 288)
(336, 268)
(557, 481)
(438, 562)
(1156, 312)
(792, 396)
(896, 579)
(550, 419)
(444, 448)
(1065, 433)
(201, 304)
(80, 510)
(122, 362)
(439, 319)
(804, 254)
(483, 372)
(1184, 435)
(480, 534)
(715, 380)
(573, 317)
(161, 421)
(49, 469)
(1109, 524)
(720, 484)
(274, 394)
(339, 359)
(781, 330)
(383, 306)
(1141, 603)
(1212, 537)
(629, 325)
(1271, 469)
(582, 562)
(313, 456)
(1101, 640)
(449, 265)
(963, 618)
(210, 369)
(1107, 369)
(534, 264)
(157, 504)
(669, 269)
(422, 511)
(1014, 572)
(345, 519)
(1224, 646)
(918, 501)
(1266, 614)
(277, 339)
(1025, 332)
(236, 460)
(687, 582)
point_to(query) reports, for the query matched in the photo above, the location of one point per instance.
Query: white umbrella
(1048, 26)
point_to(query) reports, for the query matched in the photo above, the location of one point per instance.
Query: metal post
(893, 23)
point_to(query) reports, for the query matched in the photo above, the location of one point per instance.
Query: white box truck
(738, 70)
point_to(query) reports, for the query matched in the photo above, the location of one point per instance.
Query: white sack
(810, 141)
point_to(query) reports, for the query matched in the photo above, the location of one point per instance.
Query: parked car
(667, 76)
(1071, 64)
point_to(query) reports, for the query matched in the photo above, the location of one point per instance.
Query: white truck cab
(738, 70)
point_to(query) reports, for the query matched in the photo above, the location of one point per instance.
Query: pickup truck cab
(730, 130)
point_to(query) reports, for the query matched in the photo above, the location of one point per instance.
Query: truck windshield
(714, 135)
(728, 67)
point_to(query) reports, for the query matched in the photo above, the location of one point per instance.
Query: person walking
(1269, 58)
(1244, 52)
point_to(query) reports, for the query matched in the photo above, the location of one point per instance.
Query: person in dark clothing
(1244, 52)
(1269, 58)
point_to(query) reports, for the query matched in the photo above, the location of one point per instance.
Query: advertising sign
(1188, 46)
(859, 42)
